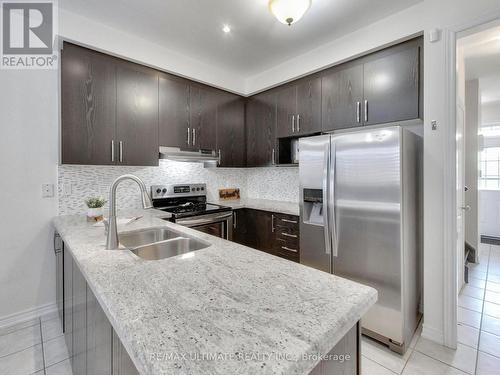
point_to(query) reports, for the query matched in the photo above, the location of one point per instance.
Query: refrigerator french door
(360, 220)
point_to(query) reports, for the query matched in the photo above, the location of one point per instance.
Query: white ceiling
(257, 41)
(482, 61)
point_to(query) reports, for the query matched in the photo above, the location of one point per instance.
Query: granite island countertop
(226, 309)
(283, 207)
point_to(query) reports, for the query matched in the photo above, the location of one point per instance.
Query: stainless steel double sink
(159, 243)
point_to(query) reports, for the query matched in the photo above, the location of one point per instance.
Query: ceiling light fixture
(226, 29)
(289, 11)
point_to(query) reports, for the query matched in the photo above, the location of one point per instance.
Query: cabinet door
(261, 130)
(122, 363)
(203, 117)
(137, 114)
(242, 226)
(88, 106)
(68, 300)
(342, 97)
(173, 112)
(391, 85)
(308, 118)
(79, 362)
(231, 131)
(99, 338)
(286, 111)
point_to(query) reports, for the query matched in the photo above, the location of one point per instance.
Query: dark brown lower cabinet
(93, 345)
(273, 233)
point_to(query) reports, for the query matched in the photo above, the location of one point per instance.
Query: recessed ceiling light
(226, 29)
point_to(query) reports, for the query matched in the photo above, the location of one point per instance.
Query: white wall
(472, 121)
(489, 213)
(490, 113)
(87, 32)
(384, 32)
(28, 158)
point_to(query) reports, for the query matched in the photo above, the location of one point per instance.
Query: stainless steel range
(188, 205)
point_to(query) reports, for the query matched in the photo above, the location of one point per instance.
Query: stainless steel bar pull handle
(273, 157)
(298, 123)
(293, 123)
(358, 112)
(289, 235)
(289, 221)
(194, 136)
(272, 223)
(331, 201)
(112, 150)
(326, 221)
(235, 222)
(120, 150)
(219, 158)
(366, 110)
(288, 249)
(189, 136)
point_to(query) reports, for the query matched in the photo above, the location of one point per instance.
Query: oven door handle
(204, 219)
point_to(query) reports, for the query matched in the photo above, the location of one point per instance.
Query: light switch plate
(47, 190)
(67, 189)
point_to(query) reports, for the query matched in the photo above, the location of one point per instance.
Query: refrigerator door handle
(331, 201)
(326, 183)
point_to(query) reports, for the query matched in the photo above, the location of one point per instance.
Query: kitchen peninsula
(225, 309)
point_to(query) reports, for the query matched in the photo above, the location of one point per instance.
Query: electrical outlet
(47, 190)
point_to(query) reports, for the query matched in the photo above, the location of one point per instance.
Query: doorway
(478, 187)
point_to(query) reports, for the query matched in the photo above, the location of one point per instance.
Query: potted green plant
(94, 208)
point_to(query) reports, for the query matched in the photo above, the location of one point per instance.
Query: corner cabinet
(107, 104)
(93, 345)
(260, 120)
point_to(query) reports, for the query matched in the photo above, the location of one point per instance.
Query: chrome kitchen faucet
(112, 238)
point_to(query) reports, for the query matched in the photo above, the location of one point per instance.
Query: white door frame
(449, 37)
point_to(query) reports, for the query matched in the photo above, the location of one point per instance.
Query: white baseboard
(432, 334)
(28, 314)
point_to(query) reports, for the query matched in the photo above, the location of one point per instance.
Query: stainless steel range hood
(208, 157)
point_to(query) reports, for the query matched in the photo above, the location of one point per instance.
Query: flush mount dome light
(289, 11)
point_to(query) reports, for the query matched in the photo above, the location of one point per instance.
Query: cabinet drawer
(287, 250)
(287, 221)
(287, 234)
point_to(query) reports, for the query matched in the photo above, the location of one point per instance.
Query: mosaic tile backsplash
(76, 182)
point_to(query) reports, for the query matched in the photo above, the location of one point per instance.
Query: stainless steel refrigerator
(360, 219)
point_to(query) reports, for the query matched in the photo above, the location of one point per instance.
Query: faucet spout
(112, 238)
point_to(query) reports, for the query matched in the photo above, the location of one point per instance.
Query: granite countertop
(289, 208)
(226, 309)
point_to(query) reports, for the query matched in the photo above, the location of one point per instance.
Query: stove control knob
(164, 191)
(197, 189)
(193, 189)
(158, 191)
(202, 188)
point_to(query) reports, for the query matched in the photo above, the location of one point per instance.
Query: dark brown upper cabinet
(391, 84)
(261, 129)
(174, 130)
(203, 117)
(231, 131)
(342, 97)
(88, 106)
(109, 110)
(136, 114)
(299, 108)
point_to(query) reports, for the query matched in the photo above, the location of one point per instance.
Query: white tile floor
(478, 351)
(34, 347)
(38, 346)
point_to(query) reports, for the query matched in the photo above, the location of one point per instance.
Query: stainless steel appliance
(359, 194)
(188, 205)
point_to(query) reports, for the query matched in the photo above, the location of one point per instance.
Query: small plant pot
(94, 214)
